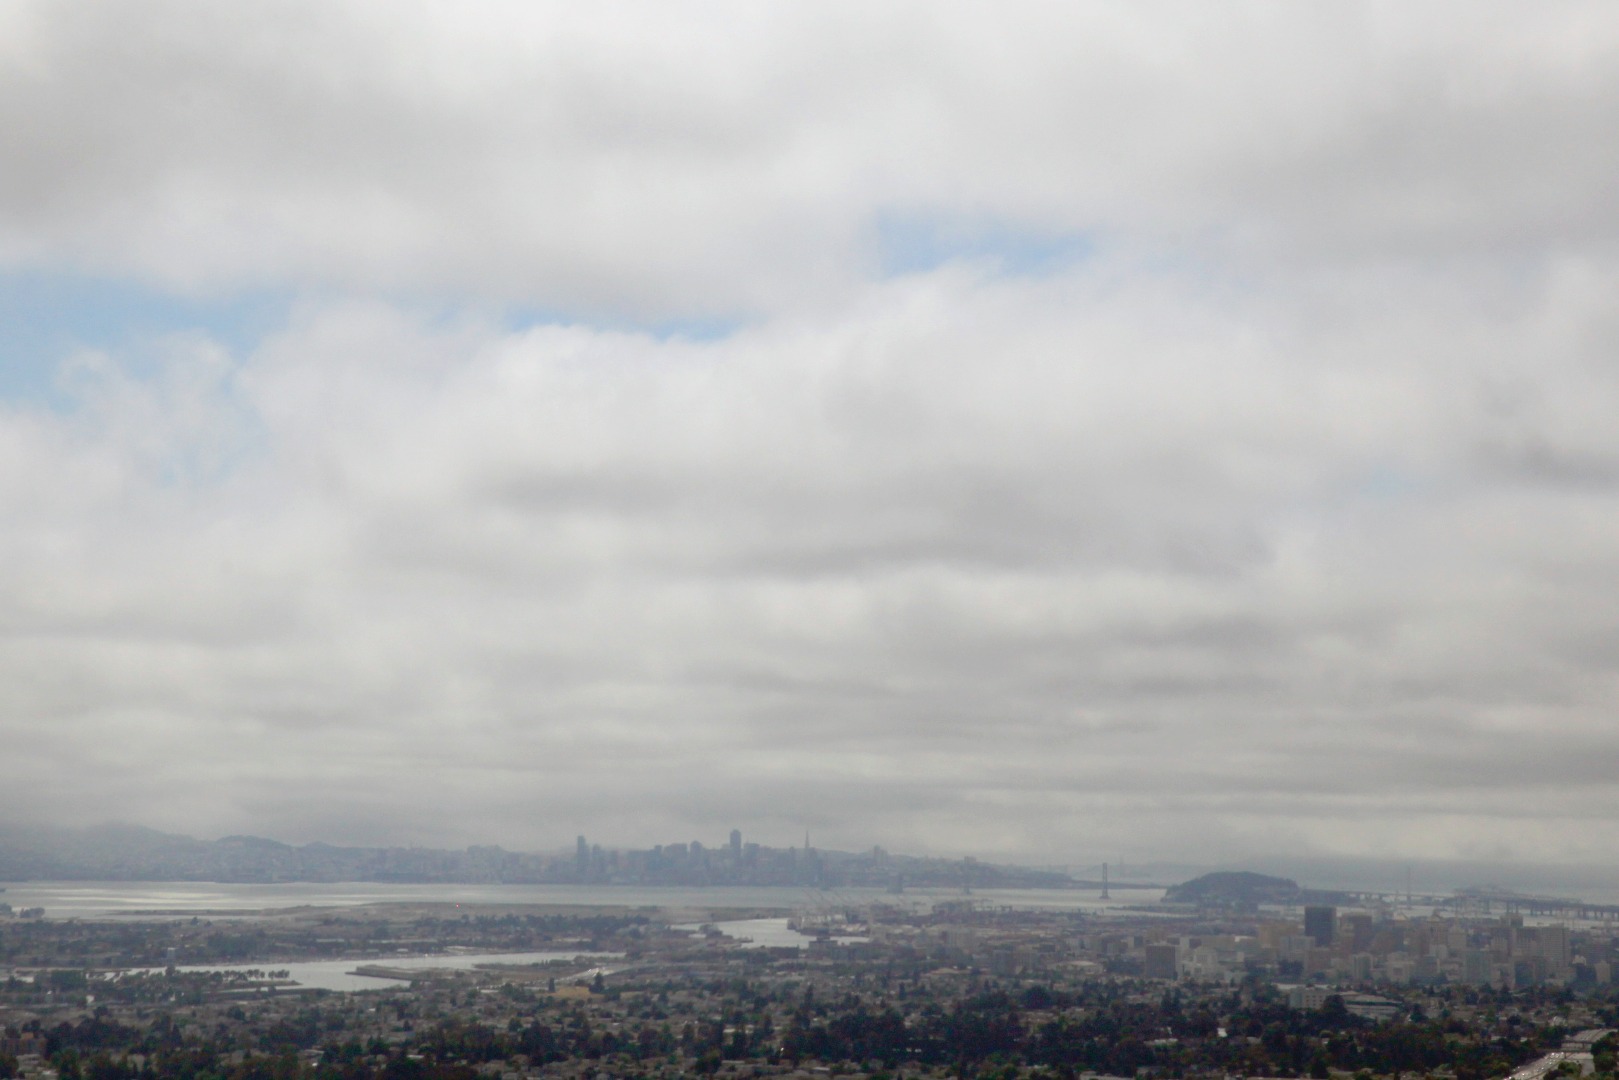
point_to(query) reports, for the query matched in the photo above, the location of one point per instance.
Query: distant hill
(1227, 888)
(1245, 889)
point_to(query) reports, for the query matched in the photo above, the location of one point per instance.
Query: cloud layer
(1233, 472)
(644, 159)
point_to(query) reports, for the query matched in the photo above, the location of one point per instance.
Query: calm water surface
(86, 899)
(762, 933)
(339, 974)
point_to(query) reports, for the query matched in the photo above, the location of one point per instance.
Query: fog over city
(1048, 433)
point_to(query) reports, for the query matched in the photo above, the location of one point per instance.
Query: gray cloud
(1124, 568)
(650, 161)
(1280, 521)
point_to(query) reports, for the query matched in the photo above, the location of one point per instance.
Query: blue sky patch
(46, 317)
(1388, 482)
(914, 243)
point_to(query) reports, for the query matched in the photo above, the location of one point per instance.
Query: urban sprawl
(1221, 979)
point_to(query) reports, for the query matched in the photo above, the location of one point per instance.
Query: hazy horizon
(1046, 433)
(1596, 882)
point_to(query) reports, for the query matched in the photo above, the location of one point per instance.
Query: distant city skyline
(25, 853)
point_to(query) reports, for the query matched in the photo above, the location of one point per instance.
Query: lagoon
(339, 974)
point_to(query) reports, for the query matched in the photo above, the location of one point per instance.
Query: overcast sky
(1044, 432)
